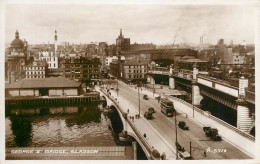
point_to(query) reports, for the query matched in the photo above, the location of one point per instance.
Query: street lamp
(192, 98)
(138, 85)
(153, 89)
(176, 135)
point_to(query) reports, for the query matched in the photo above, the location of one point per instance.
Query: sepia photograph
(111, 80)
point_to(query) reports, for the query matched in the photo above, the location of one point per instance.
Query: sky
(158, 24)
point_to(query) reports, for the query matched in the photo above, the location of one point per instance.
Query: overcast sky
(159, 24)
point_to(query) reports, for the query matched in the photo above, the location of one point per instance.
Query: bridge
(138, 127)
(199, 85)
(161, 132)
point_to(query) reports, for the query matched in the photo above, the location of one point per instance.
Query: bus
(167, 107)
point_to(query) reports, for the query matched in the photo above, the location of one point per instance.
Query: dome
(17, 43)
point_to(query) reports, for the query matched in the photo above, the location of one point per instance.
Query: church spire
(55, 37)
(121, 32)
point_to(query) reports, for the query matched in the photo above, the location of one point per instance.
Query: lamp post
(176, 136)
(153, 89)
(138, 85)
(192, 97)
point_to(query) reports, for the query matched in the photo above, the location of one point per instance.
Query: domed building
(17, 46)
(16, 59)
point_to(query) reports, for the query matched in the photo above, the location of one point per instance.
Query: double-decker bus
(167, 107)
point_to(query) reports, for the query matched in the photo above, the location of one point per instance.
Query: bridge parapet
(218, 85)
(250, 96)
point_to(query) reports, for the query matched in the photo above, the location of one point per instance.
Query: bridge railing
(139, 135)
(252, 138)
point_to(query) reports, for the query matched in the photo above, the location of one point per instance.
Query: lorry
(212, 133)
(167, 107)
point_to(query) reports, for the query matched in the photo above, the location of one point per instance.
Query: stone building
(130, 71)
(122, 44)
(17, 59)
(36, 69)
(82, 69)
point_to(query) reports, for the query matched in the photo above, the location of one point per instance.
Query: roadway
(165, 126)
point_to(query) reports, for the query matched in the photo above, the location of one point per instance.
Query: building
(50, 54)
(122, 44)
(143, 46)
(50, 58)
(237, 58)
(109, 59)
(54, 86)
(188, 63)
(17, 59)
(36, 69)
(82, 69)
(131, 71)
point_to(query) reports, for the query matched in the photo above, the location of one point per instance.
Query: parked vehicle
(151, 110)
(145, 97)
(183, 125)
(148, 115)
(167, 107)
(212, 133)
(184, 155)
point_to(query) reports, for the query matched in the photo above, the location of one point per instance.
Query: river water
(58, 127)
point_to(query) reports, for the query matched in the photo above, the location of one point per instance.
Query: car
(151, 110)
(148, 115)
(183, 125)
(145, 97)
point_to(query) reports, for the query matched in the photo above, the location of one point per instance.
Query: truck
(167, 107)
(212, 133)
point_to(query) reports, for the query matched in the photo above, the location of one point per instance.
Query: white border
(255, 3)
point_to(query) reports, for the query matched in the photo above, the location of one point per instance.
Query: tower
(55, 43)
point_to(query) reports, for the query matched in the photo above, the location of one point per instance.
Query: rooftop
(51, 82)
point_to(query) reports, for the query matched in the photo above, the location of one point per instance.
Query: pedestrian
(163, 156)
(205, 154)
(133, 118)
(128, 111)
(144, 135)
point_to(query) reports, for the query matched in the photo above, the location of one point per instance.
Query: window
(54, 63)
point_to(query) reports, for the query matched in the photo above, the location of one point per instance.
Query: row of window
(84, 66)
(54, 65)
(78, 76)
(35, 68)
(136, 76)
(33, 77)
(84, 71)
(135, 66)
(34, 72)
(136, 71)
